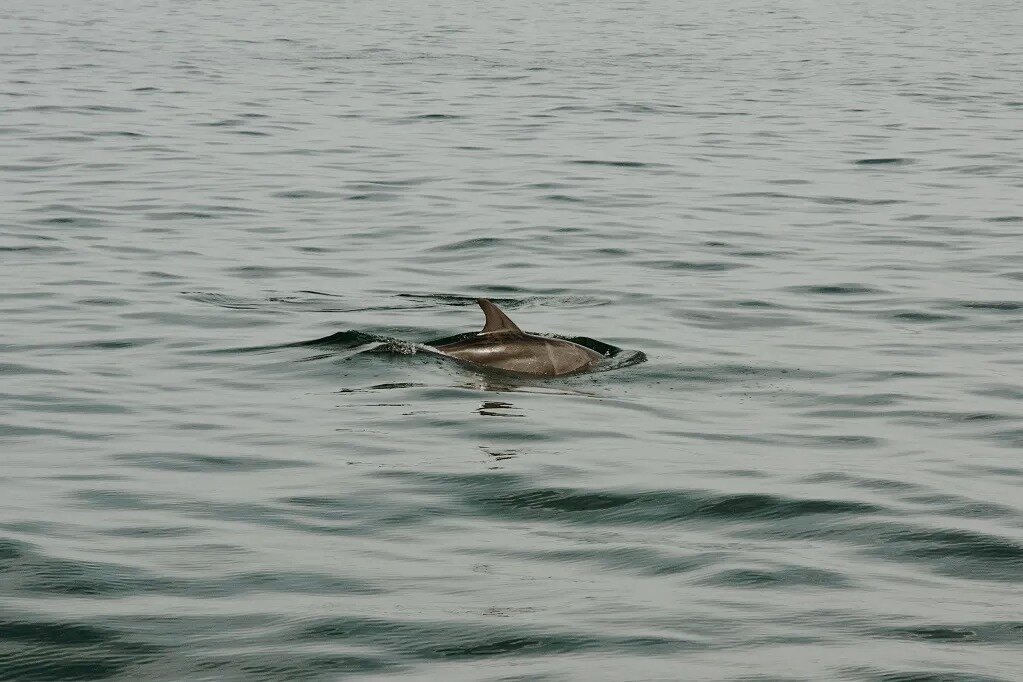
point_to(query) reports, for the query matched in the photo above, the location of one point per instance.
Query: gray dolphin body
(502, 345)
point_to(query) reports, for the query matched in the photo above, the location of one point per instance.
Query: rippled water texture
(227, 226)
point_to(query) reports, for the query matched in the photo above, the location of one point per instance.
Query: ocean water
(227, 227)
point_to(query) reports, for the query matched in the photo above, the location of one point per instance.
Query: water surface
(225, 227)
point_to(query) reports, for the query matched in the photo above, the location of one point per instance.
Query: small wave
(615, 164)
(834, 289)
(884, 161)
(694, 266)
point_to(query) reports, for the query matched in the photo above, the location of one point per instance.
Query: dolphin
(502, 345)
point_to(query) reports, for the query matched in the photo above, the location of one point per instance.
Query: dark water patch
(497, 408)
(33, 572)
(903, 241)
(71, 634)
(1007, 392)
(70, 221)
(611, 251)
(1005, 219)
(10, 431)
(778, 577)
(742, 321)
(548, 185)
(895, 374)
(955, 505)
(12, 550)
(37, 650)
(32, 167)
(884, 161)
(513, 497)
(1012, 438)
(477, 639)
(629, 559)
(62, 138)
(292, 664)
(917, 316)
(55, 404)
(268, 272)
(502, 297)
(695, 266)
(374, 185)
(916, 417)
(154, 532)
(751, 303)
(978, 169)
(825, 200)
(740, 473)
(879, 484)
(88, 477)
(853, 201)
(182, 461)
(341, 340)
(11, 369)
(834, 289)
(305, 301)
(222, 123)
(615, 164)
(1011, 472)
(221, 209)
(64, 207)
(179, 215)
(757, 254)
(315, 249)
(306, 194)
(104, 301)
(733, 373)
(33, 249)
(282, 582)
(354, 516)
(56, 577)
(116, 133)
(437, 117)
(457, 299)
(992, 632)
(373, 196)
(472, 244)
(918, 675)
(162, 275)
(948, 416)
(108, 109)
(382, 387)
(946, 551)
(113, 344)
(990, 306)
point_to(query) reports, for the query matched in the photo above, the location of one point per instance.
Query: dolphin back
(502, 345)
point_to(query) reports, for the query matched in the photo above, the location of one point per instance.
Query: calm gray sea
(226, 225)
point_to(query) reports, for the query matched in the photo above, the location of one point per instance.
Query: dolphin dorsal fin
(497, 321)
